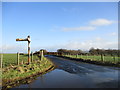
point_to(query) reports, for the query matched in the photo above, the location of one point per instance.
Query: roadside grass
(97, 58)
(17, 72)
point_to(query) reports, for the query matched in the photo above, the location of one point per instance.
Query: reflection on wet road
(74, 74)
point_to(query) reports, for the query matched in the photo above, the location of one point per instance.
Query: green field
(12, 59)
(97, 58)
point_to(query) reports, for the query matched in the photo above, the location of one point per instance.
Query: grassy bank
(108, 61)
(12, 72)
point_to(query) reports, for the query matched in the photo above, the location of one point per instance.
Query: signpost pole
(27, 39)
(28, 52)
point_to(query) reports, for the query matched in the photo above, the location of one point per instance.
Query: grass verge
(97, 62)
(15, 73)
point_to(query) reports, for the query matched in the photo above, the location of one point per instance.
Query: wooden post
(27, 39)
(114, 58)
(17, 58)
(22, 62)
(86, 56)
(41, 54)
(1, 59)
(81, 56)
(28, 51)
(93, 56)
(76, 55)
(102, 57)
(31, 56)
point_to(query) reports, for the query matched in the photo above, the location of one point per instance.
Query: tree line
(91, 51)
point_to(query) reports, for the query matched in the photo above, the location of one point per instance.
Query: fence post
(86, 56)
(31, 56)
(102, 57)
(41, 54)
(22, 62)
(93, 57)
(69, 55)
(76, 55)
(81, 56)
(1, 59)
(17, 58)
(114, 58)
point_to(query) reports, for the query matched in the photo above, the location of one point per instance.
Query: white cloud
(13, 48)
(82, 28)
(98, 39)
(98, 42)
(101, 22)
(92, 25)
(113, 34)
(88, 44)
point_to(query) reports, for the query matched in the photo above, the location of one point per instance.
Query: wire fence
(16, 59)
(101, 58)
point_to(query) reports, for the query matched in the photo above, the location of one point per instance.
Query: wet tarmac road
(74, 74)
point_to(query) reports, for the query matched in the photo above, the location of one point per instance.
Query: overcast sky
(52, 25)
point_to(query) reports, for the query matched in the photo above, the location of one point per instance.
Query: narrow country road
(74, 74)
